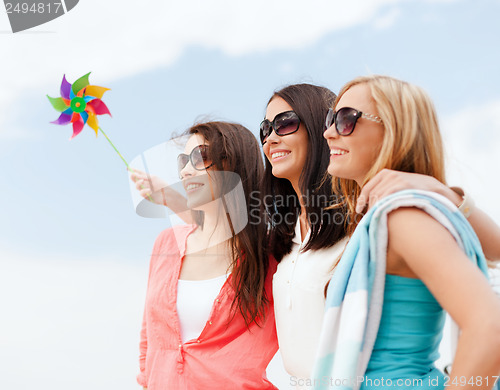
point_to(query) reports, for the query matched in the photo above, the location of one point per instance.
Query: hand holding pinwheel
(158, 191)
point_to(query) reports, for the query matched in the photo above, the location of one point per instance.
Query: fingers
(142, 184)
(382, 184)
(367, 191)
(136, 174)
(145, 193)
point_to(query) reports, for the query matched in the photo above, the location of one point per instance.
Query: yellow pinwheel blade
(95, 91)
(92, 122)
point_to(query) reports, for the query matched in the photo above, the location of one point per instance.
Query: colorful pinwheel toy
(80, 103)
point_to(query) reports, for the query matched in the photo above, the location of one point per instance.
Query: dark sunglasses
(345, 119)
(198, 157)
(285, 123)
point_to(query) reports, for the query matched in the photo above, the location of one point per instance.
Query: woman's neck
(304, 223)
(215, 229)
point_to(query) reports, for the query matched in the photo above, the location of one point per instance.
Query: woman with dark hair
(308, 239)
(305, 237)
(208, 319)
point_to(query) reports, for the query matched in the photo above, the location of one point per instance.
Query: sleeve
(143, 348)
(142, 378)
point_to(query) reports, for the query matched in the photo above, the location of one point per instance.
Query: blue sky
(74, 255)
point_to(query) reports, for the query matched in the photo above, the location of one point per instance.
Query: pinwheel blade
(93, 122)
(58, 104)
(69, 111)
(95, 91)
(63, 119)
(75, 117)
(81, 83)
(84, 116)
(77, 127)
(65, 88)
(98, 107)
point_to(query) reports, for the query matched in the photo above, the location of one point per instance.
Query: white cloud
(70, 323)
(387, 20)
(119, 38)
(472, 142)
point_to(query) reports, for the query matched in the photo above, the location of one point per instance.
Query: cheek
(265, 149)
(301, 142)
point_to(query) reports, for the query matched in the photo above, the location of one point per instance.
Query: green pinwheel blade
(82, 82)
(58, 104)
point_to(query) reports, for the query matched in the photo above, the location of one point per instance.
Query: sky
(74, 254)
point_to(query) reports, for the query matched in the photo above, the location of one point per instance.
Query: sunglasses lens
(346, 120)
(199, 158)
(265, 130)
(286, 123)
(182, 160)
(329, 118)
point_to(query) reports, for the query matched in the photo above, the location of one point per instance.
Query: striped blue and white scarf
(356, 292)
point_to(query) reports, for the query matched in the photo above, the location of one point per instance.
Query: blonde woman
(405, 277)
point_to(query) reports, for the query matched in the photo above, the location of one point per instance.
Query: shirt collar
(297, 236)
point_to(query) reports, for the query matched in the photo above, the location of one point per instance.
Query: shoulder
(175, 232)
(413, 233)
(171, 241)
(406, 219)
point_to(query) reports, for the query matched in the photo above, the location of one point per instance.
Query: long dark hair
(233, 149)
(311, 104)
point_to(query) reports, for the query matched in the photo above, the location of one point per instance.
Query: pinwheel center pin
(78, 104)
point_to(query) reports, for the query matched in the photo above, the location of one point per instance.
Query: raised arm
(388, 181)
(420, 245)
(156, 190)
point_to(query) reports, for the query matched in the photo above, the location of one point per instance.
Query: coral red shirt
(226, 355)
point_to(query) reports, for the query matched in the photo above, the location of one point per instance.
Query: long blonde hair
(412, 141)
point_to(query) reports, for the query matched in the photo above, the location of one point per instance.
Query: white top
(299, 302)
(195, 299)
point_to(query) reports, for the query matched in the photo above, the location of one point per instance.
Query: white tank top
(195, 299)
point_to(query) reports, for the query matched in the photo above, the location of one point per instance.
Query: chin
(196, 201)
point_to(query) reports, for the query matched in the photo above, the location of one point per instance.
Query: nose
(187, 171)
(331, 132)
(273, 138)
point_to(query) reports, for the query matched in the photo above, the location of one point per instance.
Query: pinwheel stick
(114, 147)
(123, 159)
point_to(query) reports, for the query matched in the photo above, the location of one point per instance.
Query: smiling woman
(208, 319)
(412, 257)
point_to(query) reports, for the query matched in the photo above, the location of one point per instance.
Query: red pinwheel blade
(77, 127)
(98, 107)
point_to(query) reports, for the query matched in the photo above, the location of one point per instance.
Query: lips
(192, 186)
(279, 154)
(338, 152)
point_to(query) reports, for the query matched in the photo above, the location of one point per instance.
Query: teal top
(408, 338)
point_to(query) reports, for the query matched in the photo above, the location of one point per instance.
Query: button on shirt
(299, 302)
(226, 355)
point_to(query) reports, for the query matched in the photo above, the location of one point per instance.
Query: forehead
(358, 97)
(193, 141)
(277, 106)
